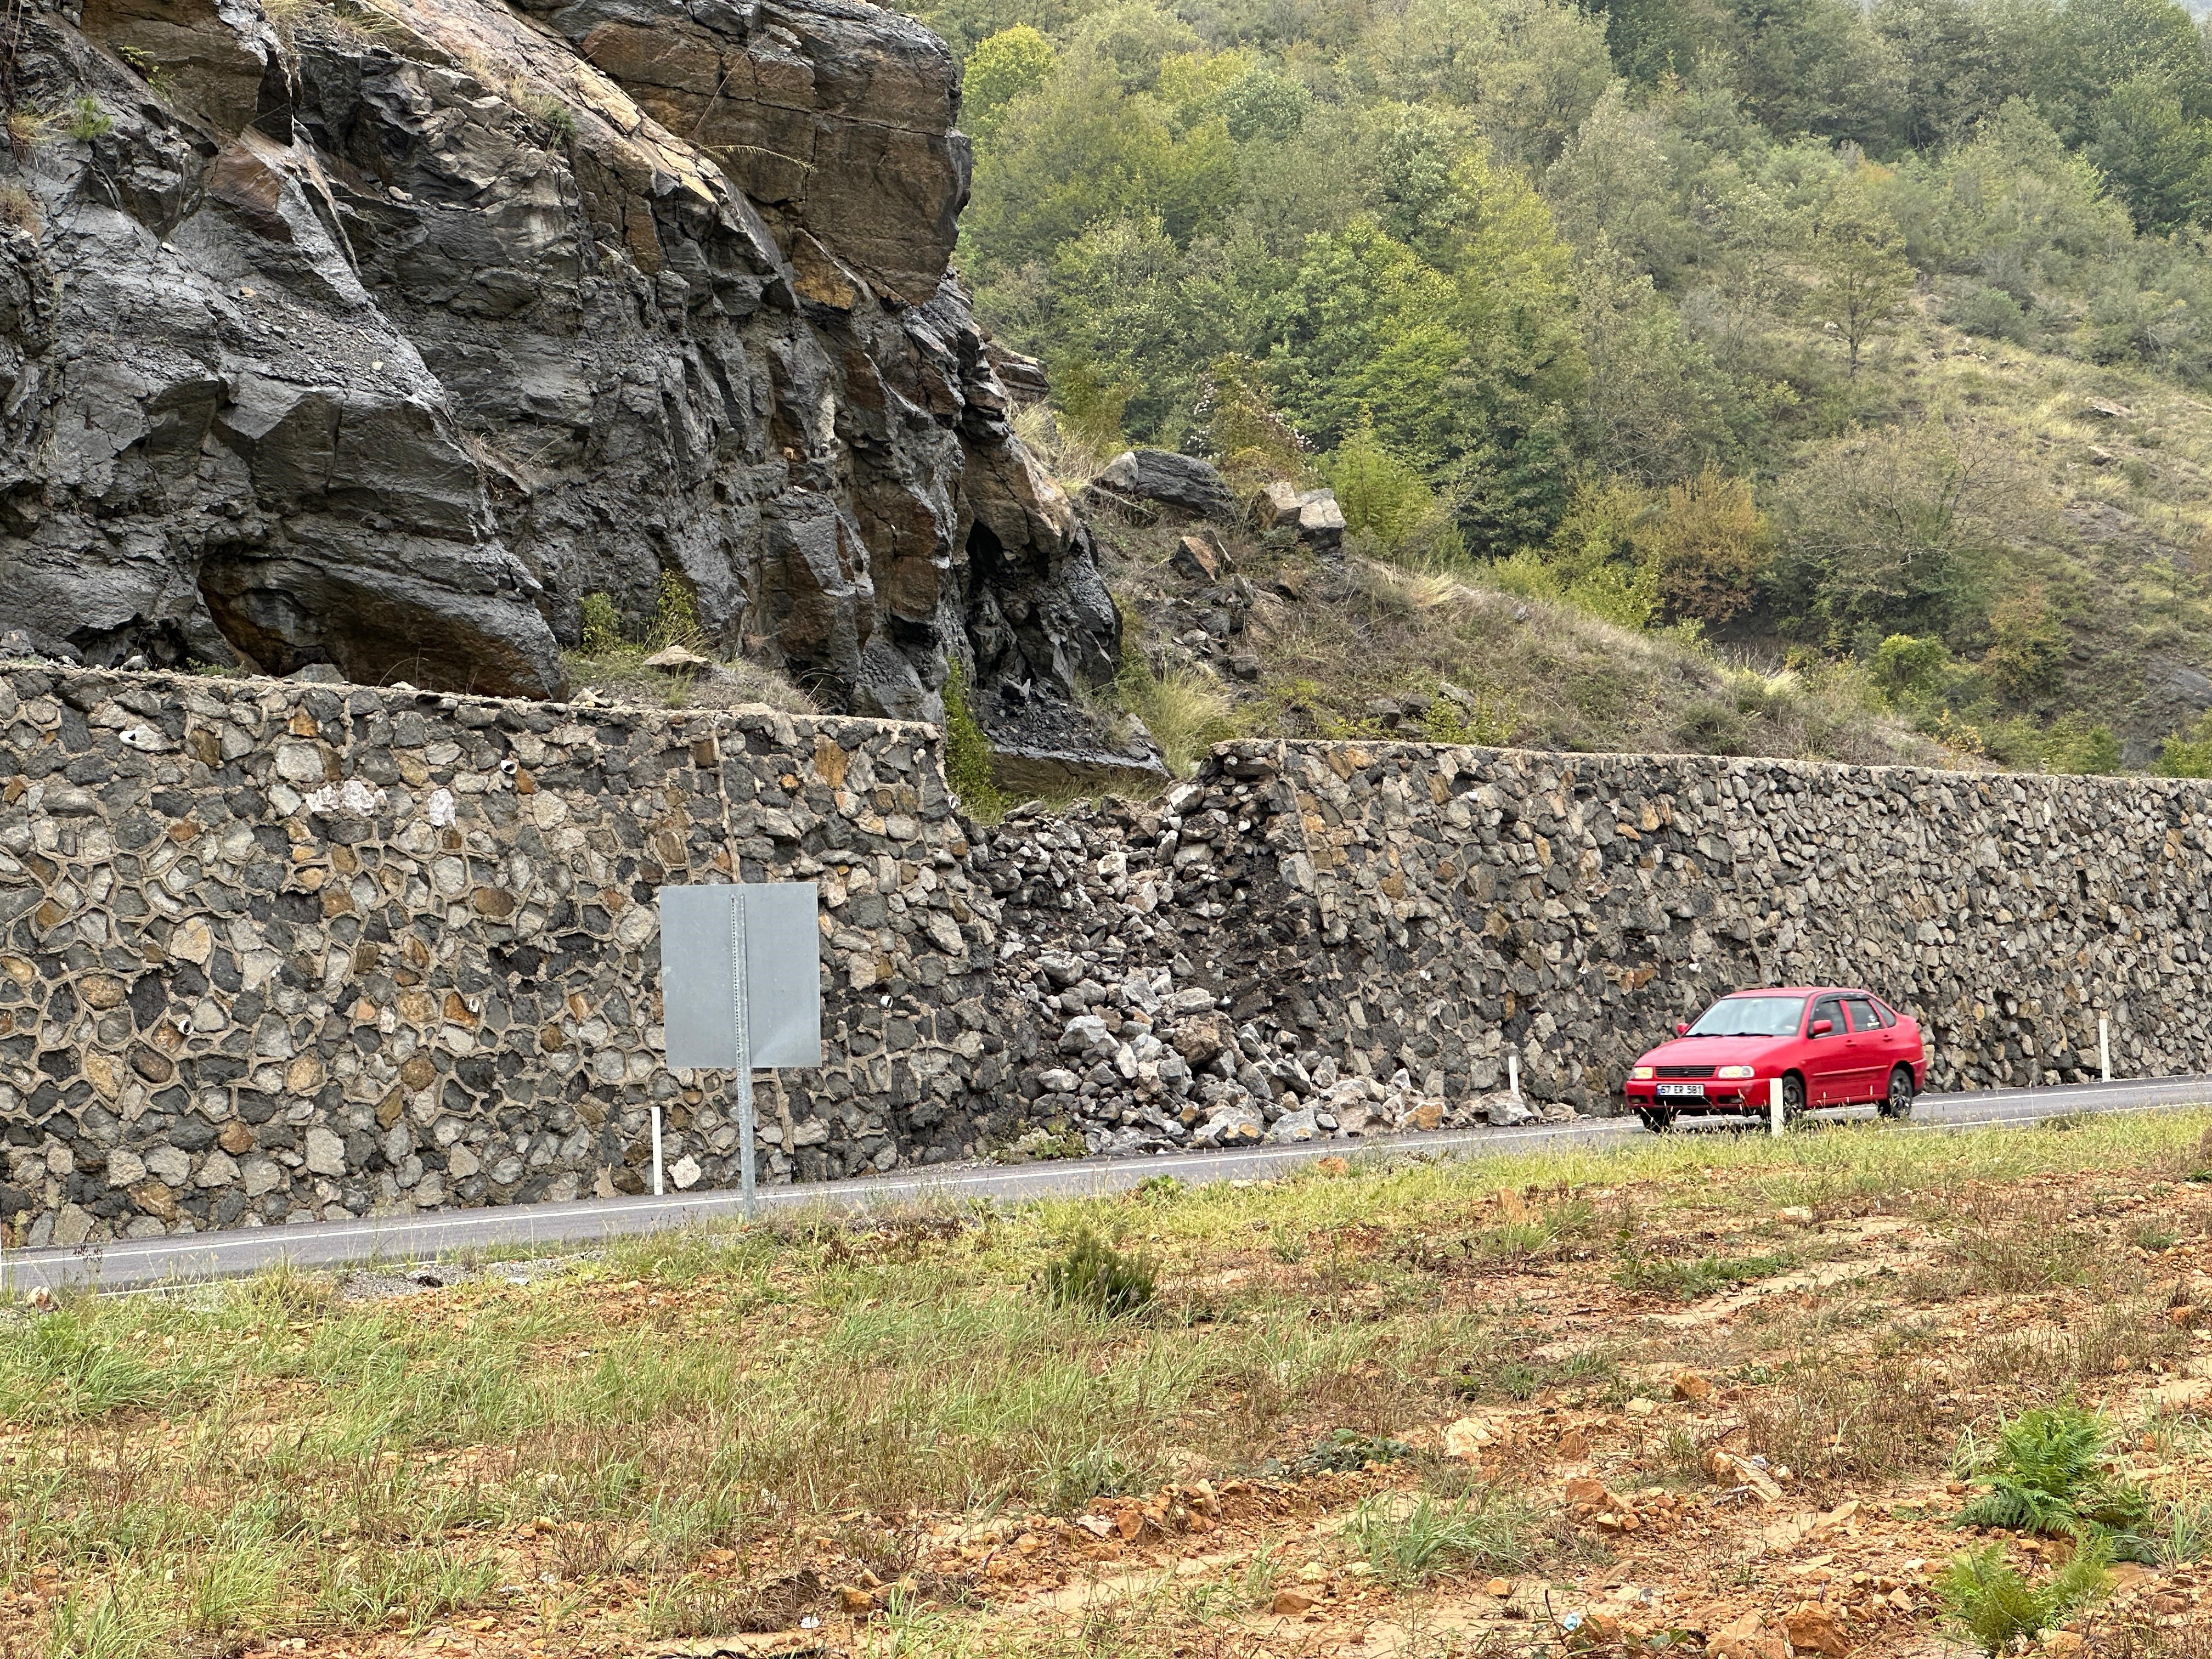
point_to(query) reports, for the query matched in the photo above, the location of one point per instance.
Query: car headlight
(1641, 1074)
(1733, 1070)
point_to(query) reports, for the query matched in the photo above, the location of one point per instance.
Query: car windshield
(1751, 1017)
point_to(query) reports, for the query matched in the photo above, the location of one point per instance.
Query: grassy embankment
(899, 1433)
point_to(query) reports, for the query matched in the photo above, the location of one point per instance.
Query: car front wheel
(1793, 1098)
(1898, 1103)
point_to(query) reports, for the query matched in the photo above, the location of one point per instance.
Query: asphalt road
(554, 1227)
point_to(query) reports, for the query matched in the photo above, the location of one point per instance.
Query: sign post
(741, 987)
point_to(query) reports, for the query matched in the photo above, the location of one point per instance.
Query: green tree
(1817, 67)
(1010, 65)
(1653, 401)
(1080, 149)
(2158, 156)
(1618, 179)
(2092, 46)
(1707, 546)
(1957, 64)
(1863, 276)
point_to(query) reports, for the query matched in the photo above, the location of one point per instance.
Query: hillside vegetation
(1867, 348)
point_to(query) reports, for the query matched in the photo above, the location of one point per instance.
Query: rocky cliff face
(379, 333)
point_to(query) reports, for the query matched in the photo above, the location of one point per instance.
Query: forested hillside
(1870, 347)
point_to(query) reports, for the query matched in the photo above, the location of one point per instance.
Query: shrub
(2188, 752)
(601, 625)
(675, 617)
(1251, 443)
(1707, 546)
(2028, 649)
(1978, 308)
(1997, 1607)
(1907, 666)
(1379, 493)
(967, 752)
(2074, 745)
(1089, 405)
(1092, 1274)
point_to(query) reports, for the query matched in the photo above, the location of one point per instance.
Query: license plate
(1695, 1091)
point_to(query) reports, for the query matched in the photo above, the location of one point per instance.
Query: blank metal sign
(783, 975)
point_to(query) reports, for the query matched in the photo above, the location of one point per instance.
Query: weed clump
(1992, 1603)
(1091, 1274)
(967, 753)
(87, 120)
(1411, 1543)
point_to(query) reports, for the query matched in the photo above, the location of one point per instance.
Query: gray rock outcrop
(384, 338)
(1156, 479)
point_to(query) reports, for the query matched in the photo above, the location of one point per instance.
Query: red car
(1830, 1045)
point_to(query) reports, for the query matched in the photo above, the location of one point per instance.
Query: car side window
(1830, 1011)
(1863, 1017)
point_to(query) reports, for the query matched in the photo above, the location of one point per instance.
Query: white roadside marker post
(2105, 1047)
(1513, 1075)
(1774, 1105)
(656, 1152)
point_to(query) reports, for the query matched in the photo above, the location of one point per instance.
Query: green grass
(1412, 1541)
(1690, 1280)
(266, 1456)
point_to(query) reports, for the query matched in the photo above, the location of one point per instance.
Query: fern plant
(2046, 1474)
(1989, 1601)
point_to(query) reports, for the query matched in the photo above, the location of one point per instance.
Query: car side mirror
(1820, 1028)
(1681, 1028)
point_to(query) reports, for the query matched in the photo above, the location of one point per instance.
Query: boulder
(1198, 1037)
(1279, 502)
(1321, 523)
(1161, 479)
(1200, 559)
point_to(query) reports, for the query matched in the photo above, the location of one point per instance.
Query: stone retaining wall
(275, 950)
(272, 950)
(1445, 904)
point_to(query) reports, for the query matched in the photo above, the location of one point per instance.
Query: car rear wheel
(1659, 1119)
(1898, 1103)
